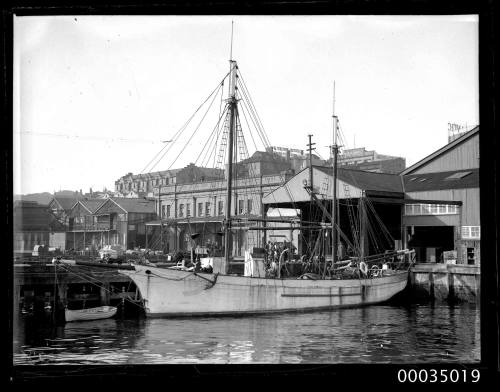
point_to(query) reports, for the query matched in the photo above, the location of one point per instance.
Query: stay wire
(194, 132)
(183, 128)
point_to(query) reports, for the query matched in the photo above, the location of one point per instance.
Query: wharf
(445, 282)
(86, 284)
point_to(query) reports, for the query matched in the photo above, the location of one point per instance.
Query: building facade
(111, 221)
(34, 224)
(361, 159)
(126, 219)
(84, 230)
(193, 214)
(445, 223)
(144, 184)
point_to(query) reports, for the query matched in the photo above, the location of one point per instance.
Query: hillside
(41, 198)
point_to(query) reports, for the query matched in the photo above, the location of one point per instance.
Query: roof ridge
(441, 150)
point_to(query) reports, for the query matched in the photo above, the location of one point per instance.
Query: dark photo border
(215, 376)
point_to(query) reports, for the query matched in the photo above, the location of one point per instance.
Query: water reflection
(376, 334)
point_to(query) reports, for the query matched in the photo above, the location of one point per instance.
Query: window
(221, 207)
(188, 209)
(457, 176)
(181, 210)
(240, 206)
(430, 209)
(162, 211)
(207, 208)
(471, 256)
(249, 206)
(200, 209)
(168, 211)
(471, 232)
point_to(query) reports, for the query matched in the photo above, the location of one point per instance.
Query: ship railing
(396, 259)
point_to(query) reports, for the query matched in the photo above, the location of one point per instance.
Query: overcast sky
(95, 96)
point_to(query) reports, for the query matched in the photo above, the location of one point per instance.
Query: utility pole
(161, 217)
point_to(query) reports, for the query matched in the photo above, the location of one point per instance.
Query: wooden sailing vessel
(354, 282)
(98, 313)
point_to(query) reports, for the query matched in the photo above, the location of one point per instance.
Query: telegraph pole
(161, 218)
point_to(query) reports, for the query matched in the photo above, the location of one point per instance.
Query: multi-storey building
(361, 159)
(111, 221)
(192, 213)
(286, 152)
(144, 184)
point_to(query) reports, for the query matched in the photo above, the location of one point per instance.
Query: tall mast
(232, 109)
(310, 145)
(335, 150)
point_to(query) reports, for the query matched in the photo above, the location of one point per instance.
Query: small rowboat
(101, 312)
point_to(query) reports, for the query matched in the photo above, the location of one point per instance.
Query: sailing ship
(265, 286)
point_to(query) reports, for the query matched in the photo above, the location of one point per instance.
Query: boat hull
(169, 292)
(102, 312)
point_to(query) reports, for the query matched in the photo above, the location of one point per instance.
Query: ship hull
(101, 312)
(169, 292)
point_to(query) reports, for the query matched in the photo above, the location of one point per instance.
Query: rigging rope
(86, 278)
(183, 128)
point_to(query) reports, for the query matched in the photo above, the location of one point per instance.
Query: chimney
(288, 155)
(91, 193)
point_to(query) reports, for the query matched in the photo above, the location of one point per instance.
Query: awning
(184, 221)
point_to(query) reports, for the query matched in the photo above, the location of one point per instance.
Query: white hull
(101, 312)
(170, 292)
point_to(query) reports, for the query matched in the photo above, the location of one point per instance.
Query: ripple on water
(377, 334)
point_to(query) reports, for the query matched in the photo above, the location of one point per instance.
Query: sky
(97, 97)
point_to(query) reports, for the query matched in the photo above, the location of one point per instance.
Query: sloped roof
(458, 179)
(442, 150)
(367, 181)
(92, 204)
(138, 205)
(66, 203)
(156, 174)
(259, 156)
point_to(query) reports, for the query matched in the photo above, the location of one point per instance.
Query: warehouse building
(443, 225)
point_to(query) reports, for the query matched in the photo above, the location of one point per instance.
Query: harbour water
(417, 333)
